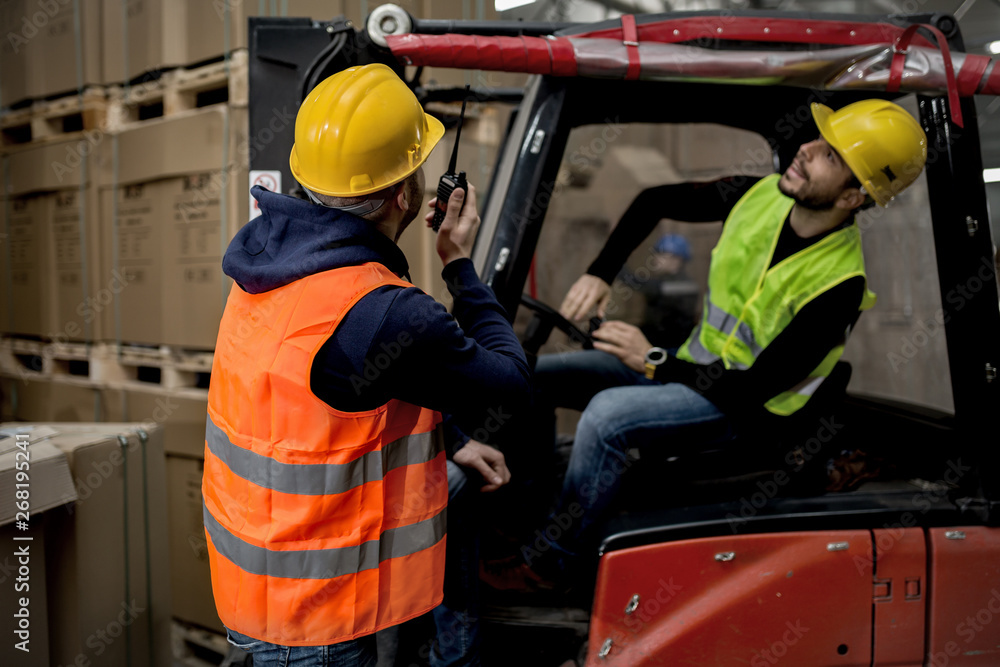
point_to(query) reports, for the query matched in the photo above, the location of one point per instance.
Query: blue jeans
(456, 619)
(355, 653)
(622, 410)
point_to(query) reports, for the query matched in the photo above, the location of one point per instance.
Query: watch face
(656, 356)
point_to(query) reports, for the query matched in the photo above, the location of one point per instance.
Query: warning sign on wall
(269, 179)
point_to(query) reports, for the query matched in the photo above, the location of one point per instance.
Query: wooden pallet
(22, 358)
(164, 366)
(52, 120)
(27, 358)
(180, 90)
(108, 365)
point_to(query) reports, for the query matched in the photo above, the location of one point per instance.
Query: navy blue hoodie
(395, 342)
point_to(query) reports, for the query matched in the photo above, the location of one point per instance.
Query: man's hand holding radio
(458, 231)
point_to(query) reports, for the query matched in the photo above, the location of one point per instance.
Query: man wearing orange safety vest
(326, 479)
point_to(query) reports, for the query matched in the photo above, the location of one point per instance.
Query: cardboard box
(13, 53)
(179, 202)
(189, 570)
(23, 399)
(162, 34)
(42, 471)
(131, 248)
(39, 470)
(181, 414)
(206, 21)
(22, 297)
(42, 399)
(63, 42)
(52, 204)
(107, 569)
(73, 400)
(142, 36)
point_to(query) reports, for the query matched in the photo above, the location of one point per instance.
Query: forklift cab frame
(890, 574)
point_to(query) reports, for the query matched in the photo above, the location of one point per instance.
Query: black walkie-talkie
(451, 180)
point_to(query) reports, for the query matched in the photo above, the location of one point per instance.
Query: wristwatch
(654, 357)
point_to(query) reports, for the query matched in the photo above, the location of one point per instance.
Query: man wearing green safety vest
(786, 284)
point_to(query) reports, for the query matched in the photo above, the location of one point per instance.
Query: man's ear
(850, 199)
(401, 201)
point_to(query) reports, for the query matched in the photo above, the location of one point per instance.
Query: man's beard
(814, 203)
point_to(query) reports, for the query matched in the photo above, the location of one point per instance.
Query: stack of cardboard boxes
(57, 47)
(124, 162)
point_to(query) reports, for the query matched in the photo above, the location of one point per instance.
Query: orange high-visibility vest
(322, 525)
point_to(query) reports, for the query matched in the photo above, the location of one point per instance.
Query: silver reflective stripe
(725, 323)
(808, 386)
(325, 563)
(317, 479)
(698, 351)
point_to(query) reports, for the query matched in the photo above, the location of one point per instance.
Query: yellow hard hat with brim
(360, 131)
(882, 144)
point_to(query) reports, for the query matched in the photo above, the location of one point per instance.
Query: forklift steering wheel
(544, 320)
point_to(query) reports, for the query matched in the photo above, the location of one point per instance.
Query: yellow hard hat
(359, 131)
(882, 144)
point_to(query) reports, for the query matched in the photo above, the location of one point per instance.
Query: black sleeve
(469, 364)
(685, 202)
(454, 439)
(402, 344)
(460, 363)
(818, 327)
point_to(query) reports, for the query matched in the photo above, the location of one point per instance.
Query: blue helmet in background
(675, 244)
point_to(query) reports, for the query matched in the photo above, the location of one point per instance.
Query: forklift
(757, 563)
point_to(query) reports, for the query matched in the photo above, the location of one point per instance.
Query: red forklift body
(963, 621)
(802, 598)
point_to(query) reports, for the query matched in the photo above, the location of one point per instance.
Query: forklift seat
(724, 470)
(801, 426)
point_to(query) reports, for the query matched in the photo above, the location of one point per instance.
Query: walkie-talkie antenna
(458, 134)
(452, 180)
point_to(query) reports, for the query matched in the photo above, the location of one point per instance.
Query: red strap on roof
(630, 38)
(899, 61)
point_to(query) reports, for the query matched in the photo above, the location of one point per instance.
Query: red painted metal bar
(567, 56)
(700, 28)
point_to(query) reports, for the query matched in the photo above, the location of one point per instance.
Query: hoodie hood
(292, 239)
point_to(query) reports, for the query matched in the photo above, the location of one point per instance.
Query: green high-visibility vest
(749, 304)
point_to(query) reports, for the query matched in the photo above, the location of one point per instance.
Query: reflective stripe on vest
(324, 563)
(730, 325)
(322, 526)
(750, 302)
(318, 478)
